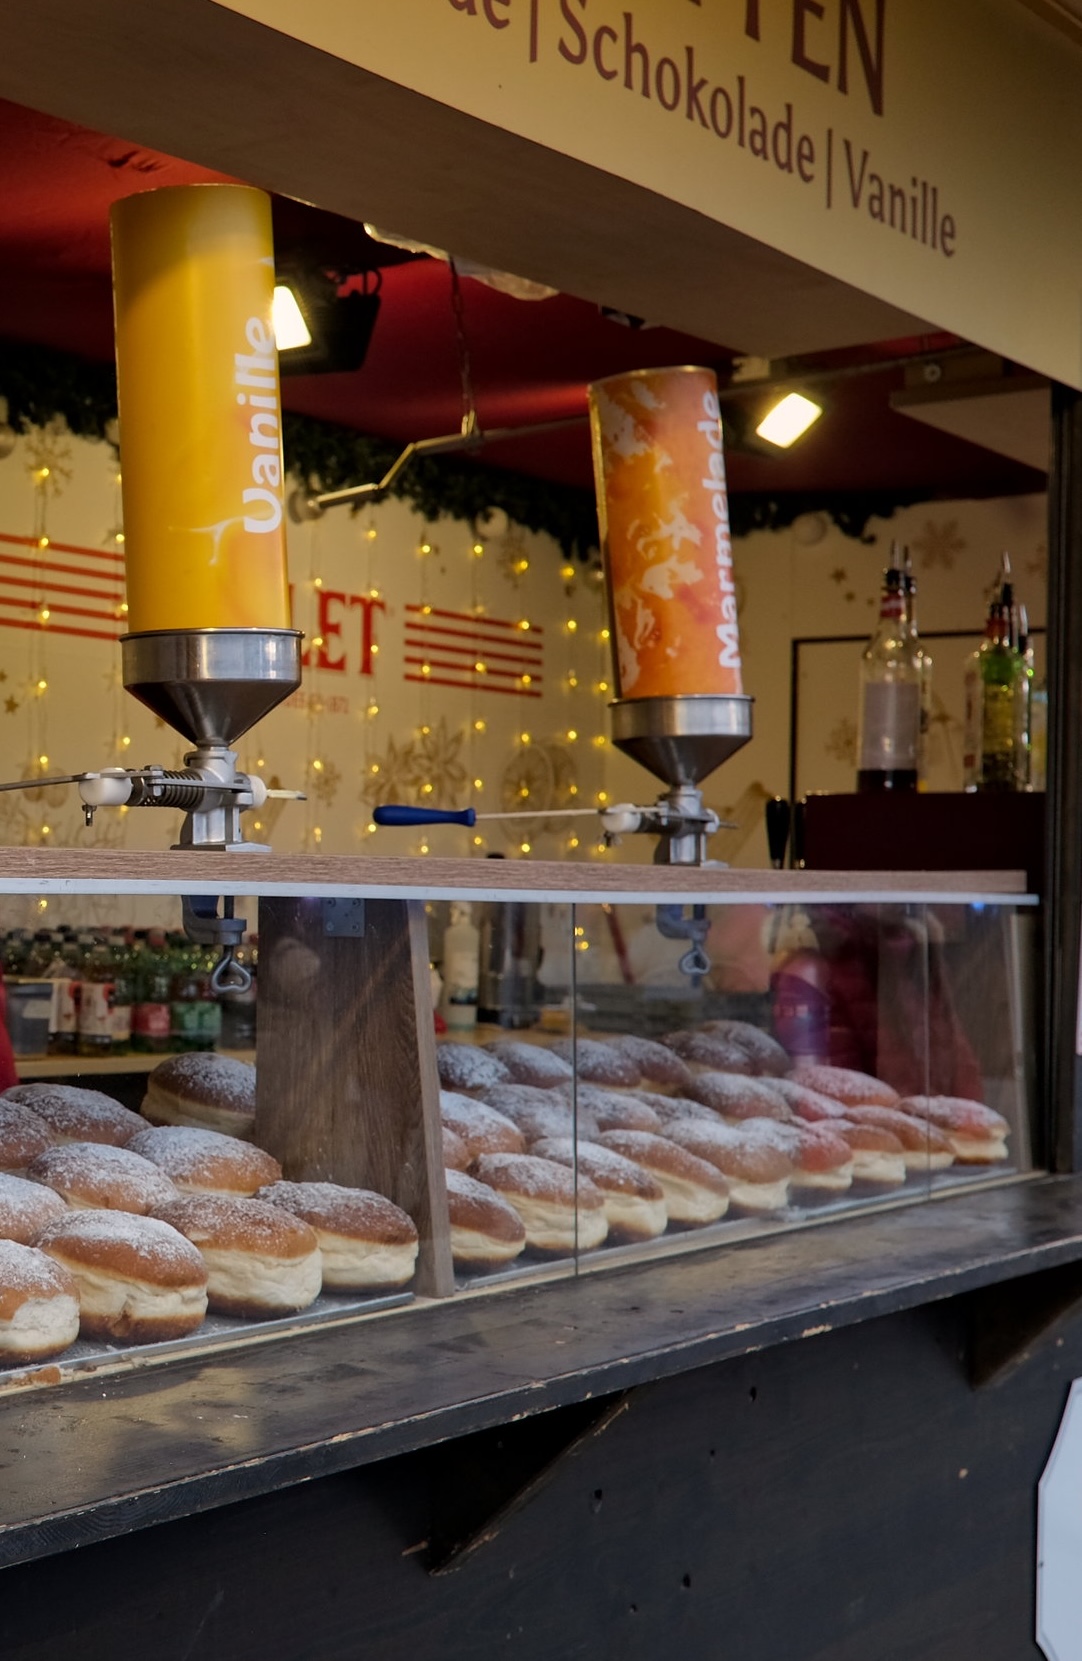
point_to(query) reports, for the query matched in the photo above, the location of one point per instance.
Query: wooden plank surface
(209, 1431)
(119, 869)
(357, 1101)
(297, 120)
(77, 1068)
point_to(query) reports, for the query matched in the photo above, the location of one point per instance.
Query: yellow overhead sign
(925, 152)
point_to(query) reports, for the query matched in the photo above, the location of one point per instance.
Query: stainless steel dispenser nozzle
(681, 740)
(211, 685)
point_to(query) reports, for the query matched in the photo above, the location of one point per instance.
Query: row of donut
(666, 1140)
(119, 1230)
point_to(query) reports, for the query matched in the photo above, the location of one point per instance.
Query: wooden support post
(347, 1089)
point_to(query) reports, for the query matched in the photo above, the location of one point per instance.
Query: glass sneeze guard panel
(494, 1088)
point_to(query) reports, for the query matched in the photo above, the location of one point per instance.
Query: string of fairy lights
(493, 760)
(400, 761)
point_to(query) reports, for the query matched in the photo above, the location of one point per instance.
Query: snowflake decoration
(428, 769)
(841, 742)
(391, 777)
(939, 544)
(839, 575)
(49, 448)
(438, 762)
(323, 781)
(1037, 564)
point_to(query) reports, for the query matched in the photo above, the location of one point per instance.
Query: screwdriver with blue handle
(398, 813)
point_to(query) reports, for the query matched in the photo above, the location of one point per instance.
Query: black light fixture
(321, 331)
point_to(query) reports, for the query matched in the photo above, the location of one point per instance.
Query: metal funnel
(681, 739)
(211, 685)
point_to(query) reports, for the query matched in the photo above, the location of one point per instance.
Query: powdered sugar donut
(845, 1085)
(139, 1281)
(456, 1155)
(612, 1109)
(758, 1173)
(91, 1176)
(695, 1191)
(368, 1243)
(675, 1110)
(486, 1231)
(482, 1128)
(822, 1162)
(529, 1063)
(735, 1096)
(660, 1068)
(22, 1135)
(206, 1162)
(468, 1067)
(708, 1051)
(878, 1155)
(261, 1260)
(558, 1214)
(596, 1062)
(763, 1051)
(71, 1114)
(202, 1088)
(26, 1208)
(39, 1306)
(634, 1200)
(536, 1112)
(925, 1147)
(809, 1105)
(978, 1135)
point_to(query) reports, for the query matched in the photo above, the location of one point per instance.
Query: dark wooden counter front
(107, 1454)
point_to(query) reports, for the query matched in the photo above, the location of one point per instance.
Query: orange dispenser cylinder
(664, 511)
(200, 412)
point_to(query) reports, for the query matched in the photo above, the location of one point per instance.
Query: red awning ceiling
(530, 361)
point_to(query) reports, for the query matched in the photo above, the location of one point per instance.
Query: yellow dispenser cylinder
(200, 411)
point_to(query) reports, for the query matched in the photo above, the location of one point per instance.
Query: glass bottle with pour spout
(888, 742)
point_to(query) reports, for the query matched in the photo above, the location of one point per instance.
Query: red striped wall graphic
(61, 587)
(480, 654)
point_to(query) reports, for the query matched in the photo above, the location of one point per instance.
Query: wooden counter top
(179, 871)
(102, 1455)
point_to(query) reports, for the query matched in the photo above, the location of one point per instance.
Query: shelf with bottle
(119, 995)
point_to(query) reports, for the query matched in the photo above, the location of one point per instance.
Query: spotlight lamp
(319, 329)
(290, 329)
(788, 419)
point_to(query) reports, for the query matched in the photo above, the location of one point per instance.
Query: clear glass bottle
(888, 741)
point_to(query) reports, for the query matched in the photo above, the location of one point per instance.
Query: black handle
(778, 820)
